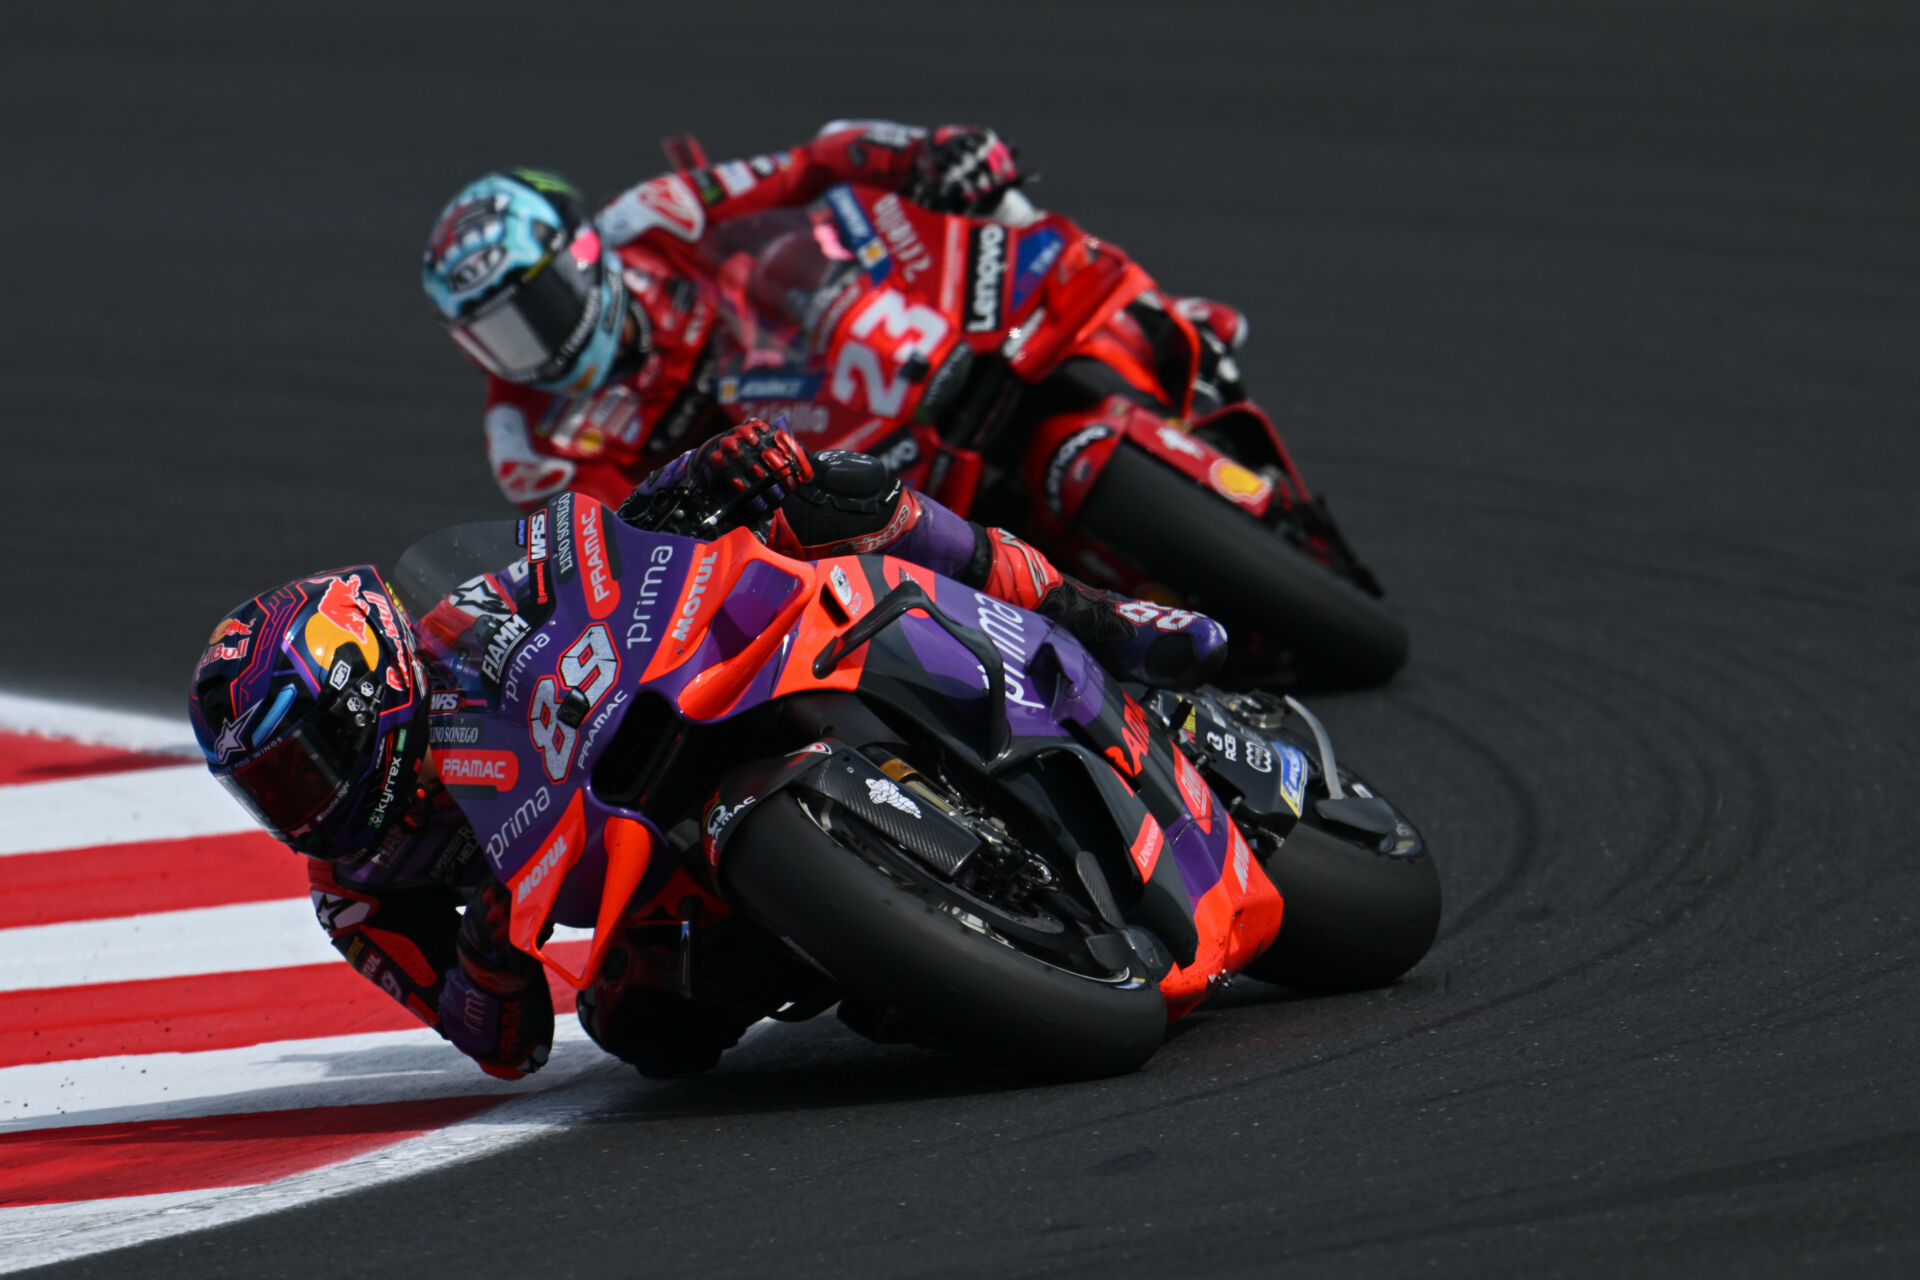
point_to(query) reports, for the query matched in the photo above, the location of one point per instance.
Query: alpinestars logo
(986, 272)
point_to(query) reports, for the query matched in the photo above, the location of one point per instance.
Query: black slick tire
(1325, 632)
(891, 948)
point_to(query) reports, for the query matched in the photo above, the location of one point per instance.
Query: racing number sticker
(909, 331)
(591, 667)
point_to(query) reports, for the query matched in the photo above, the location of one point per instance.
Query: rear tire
(1354, 917)
(1326, 632)
(890, 947)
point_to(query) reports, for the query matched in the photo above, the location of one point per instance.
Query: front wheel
(1292, 620)
(896, 943)
(1360, 909)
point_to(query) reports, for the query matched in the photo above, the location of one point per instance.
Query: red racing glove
(495, 1007)
(964, 169)
(740, 460)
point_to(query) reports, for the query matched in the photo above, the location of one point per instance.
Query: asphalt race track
(1601, 326)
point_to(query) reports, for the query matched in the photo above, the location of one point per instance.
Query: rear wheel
(1292, 620)
(901, 944)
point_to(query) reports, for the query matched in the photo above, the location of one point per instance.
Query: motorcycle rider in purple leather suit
(391, 859)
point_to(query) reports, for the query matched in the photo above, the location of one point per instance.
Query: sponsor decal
(986, 273)
(843, 590)
(891, 135)
(500, 647)
(640, 624)
(537, 536)
(1017, 337)
(708, 187)
(499, 770)
(777, 384)
(1006, 626)
(1178, 441)
(598, 572)
(1147, 843)
(342, 672)
(736, 176)
(518, 821)
(444, 701)
(766, 166)
(232, 739)
(219, 652)
(1133, 736)
(562, 508)
(549, 862)
(1057, 466)
(1241, 854)
(885, 791)
(453, 733)
(339, 622)
(1194, 790)
(1293, 776)
(683, 623)
(858, 234)
(1234, 481)
(601, 721)
(1258, 758)
(336, 913)
(389, 784)
(511, 689)
(897, 229)
(1033, 258)
(720, 815)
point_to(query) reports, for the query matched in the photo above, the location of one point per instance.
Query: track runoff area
(180, 1046)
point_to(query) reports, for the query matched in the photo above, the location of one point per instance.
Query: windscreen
(432, 568)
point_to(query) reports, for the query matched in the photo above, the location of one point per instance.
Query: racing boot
(853, 505)
(1136, 639)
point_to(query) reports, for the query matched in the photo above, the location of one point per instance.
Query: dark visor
(536, 326)
(300, 777)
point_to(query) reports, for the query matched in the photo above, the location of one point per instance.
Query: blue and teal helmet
(310, 704)
(518, 274)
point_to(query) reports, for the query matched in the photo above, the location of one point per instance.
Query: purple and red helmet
(310, 705)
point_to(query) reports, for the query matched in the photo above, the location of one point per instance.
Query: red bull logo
(340, 623)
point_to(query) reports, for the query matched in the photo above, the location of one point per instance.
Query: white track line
(34, 1236)
(168, 803)
(275, 934)
(167, 944)
(76, 723)
(330, 1071)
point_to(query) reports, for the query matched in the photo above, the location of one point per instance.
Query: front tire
(891, 945)
(1321, 631)
(1355, 917)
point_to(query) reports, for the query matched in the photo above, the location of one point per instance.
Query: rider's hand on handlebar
(964, 169)
(752, 456)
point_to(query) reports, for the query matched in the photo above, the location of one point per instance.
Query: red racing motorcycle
(1028, 374)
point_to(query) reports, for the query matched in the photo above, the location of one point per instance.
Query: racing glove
(495, 1006)
(750, 455)
(963, 169)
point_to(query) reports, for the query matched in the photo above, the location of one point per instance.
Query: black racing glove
(963, 169)
(754, 455)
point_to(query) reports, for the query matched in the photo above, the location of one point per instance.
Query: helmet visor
(538, 326)
(301, 777)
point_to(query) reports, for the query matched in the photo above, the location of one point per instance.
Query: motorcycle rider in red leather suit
(598, 336)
